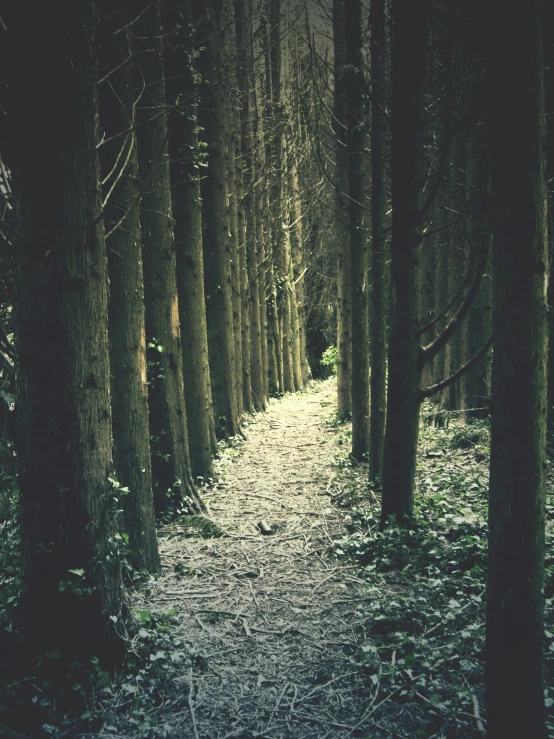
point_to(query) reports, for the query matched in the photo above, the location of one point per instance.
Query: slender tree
(233, 164)
(403, 402)
(168, 422)
(260, 201)
(126, 306)
(270, 130)
(185, 168)
(514, 668)
(342, 215)
(217, 245)
(406, 357)
(356, 121)
(378, 358)
(296, 232)
(245, 71)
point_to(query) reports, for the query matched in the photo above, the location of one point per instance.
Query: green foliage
(329, 360)
(10, 585)
(424, 618)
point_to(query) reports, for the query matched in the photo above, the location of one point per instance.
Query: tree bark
(217, 245)
(185, 168)
(514, 651)
(405, 366)
(260, 204)
(245, 61)
(131, 438)
(297, 271)
(356, 120)
(234, 190)
(171, 467)
(378, 358)
(72, 589)
(342, 216)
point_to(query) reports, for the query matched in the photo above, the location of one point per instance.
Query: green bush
(329, 360)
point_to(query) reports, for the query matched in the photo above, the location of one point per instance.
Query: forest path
(275, 621)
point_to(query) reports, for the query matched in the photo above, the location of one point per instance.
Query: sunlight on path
(276, 620)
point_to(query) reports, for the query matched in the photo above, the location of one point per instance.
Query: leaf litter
(326, 626)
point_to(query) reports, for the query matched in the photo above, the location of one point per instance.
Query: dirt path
(275, 622)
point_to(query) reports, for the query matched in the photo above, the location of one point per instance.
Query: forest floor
(325, 627)
(271, 624)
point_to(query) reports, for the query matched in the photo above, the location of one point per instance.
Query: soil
(271, 624)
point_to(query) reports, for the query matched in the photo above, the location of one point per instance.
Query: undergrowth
(423, 628)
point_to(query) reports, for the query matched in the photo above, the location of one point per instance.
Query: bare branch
(433, 389)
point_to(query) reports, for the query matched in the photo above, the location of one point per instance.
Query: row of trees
(202, 181)
(465, 118)
(153, 159)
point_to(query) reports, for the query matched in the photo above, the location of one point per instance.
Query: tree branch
(429, 351)
(433, 389)
(447, 137)
(459, 291)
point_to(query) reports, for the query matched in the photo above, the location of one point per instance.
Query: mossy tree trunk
(185, 169)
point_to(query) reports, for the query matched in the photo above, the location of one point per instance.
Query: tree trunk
(72, 589)
(514, 654)
(404, 381)
(260, 205)
(297, 273)
(243, 21)
(168, 421)
(217, 245)
(356, 120)
(378, 359)
(342, 217)
(272, 202)
(234, 191)
(480, 320)
(131, 437)
(187, 210)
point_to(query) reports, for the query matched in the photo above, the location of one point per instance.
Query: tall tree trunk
(71, 579)
(245, 61)
(273, 209)
(131, 435)
(342, 217)
(234, 192)
(245, 293)
(514, 653)
(260, 204)
(187, 210)
(404, 381)
(217, 245)
(378, 359)
(297, 273)
(168, 421)
(480, 320)
(356, 119)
